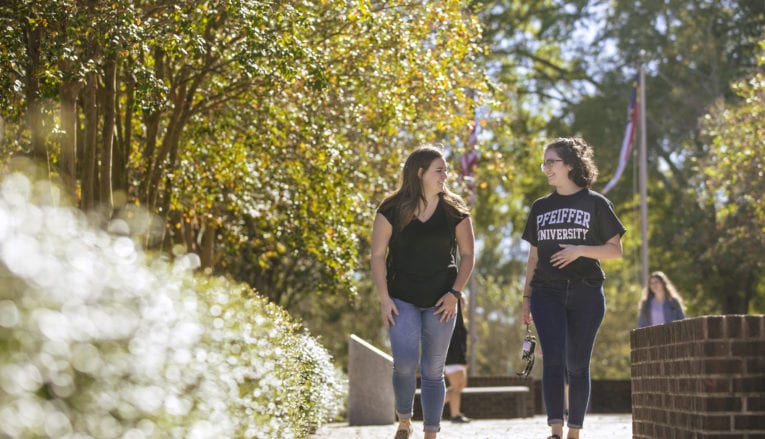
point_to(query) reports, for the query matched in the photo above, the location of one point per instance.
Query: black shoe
(461, 419)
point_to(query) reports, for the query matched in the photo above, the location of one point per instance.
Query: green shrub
(98, 339)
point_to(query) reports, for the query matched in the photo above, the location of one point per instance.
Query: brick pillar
(699, 378)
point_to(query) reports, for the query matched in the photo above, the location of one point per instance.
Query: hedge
(101, 339)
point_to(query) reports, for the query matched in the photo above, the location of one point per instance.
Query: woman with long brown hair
(661, 303)
(418, 232)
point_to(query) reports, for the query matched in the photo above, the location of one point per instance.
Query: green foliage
(575, 61)
(261, 136)
(279, 380)
(252, 130)
(497, 330)
(326, 148)
(693, 54)
(734, 183)
(101, 339)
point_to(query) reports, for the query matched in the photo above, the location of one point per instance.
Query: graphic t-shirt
(583, 218)
(421, 262)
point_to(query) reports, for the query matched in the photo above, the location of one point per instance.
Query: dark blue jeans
(567, 316)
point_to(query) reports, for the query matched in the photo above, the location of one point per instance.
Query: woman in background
(661, 302)
(456, 369)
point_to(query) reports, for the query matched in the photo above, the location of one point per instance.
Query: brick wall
(699, 378)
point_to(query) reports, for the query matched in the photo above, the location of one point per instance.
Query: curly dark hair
(577, 153)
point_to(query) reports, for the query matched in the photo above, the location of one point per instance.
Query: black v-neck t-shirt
(421, 262)
(583, 218)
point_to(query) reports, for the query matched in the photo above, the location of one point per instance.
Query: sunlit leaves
(99, 339)
(341, 86)
(262, 133)
(734, 174)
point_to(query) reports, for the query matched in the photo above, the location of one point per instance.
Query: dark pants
(567, 317)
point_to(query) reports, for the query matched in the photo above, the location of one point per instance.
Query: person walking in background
(456, 369)
(569, 231)
(661, 302)
(417, 233)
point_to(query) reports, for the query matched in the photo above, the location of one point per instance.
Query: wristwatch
(457, 294)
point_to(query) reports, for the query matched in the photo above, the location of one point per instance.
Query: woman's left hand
(447, 307)
(567, 255)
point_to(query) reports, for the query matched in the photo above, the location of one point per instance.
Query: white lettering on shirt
(561, 234)
(565, 216)
(560, 216)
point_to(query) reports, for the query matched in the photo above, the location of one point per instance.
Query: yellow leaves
(357, 15)
(33, 22)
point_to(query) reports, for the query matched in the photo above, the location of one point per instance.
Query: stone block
(370, 384)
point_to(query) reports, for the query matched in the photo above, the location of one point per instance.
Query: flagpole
(643, 175)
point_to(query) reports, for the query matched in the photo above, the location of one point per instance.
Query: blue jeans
(567, 316)
(417, 326)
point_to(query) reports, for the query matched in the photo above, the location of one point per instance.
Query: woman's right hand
(388, 310)
(526, 311)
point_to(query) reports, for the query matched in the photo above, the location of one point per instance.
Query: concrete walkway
(597, 426)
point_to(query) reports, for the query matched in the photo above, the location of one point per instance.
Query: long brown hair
(406, 199)
(669, 291)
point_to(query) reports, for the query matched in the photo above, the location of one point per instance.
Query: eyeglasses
(549, 163)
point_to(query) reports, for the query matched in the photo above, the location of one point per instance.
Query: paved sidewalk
(597, 426)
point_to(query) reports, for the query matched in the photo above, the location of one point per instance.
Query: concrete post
(370, 384)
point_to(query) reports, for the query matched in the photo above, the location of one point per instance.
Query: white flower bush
(98, 340)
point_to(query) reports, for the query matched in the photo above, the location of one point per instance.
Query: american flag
(629, 136)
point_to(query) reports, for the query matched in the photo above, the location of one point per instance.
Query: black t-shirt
(582, 218)
(421, 262)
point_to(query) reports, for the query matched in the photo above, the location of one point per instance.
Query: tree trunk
(165, 158)
(33, 36)
(90, 143)
(68, 165)
(151, 121)
(122, 142)
(207, 249)
(107, 137)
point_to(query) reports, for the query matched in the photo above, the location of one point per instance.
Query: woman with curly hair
(661, 302)
(569, 231)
